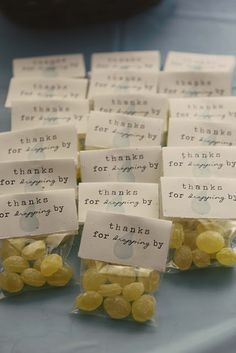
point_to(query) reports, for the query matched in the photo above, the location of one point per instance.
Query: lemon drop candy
(183, 257)
(61, 277)
(133, 291)
(35, 250)
(92, 279)
(51, 264)
(37, 264)
(11, 282)
(149, 278)
(177, 236)
(7, 249)
(88, 301)
(122, 275)
(200, 258)
(16, 264)
(210, 241)
(18, 243)
(110, 290)
(144, 308)
(33, 277)
(117, 307)
(226, 257)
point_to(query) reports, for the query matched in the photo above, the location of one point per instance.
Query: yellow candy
(92, 279)
(51, 264)
(117, 307)
(15, 264)
(11, 282)
(33, 277)
(210, 241)
(190, 236)
(88, 301)
(226, 257)
(18, 243)
(177, 236)
(183, 257)
(34, 250)
(110, 290)
(200, 258)
(122, 275)
(133, 291)
(149, 278)
(61, 277)
(37, 264)
(7, 249)
(93, 263)
(210, 225)
(144, 308)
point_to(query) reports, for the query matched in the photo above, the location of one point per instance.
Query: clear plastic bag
(117, 291)
(28, 263)
(200, 243)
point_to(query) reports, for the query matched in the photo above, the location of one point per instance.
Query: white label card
(26, 115)
(184, 132)
(30, 176)
(41, 143)
(50, 66)
(198, 197)
(151, 105)
(38, 213)
(139, 60)
(206, 108)
(107, 130)
(200, 161)
(180, 61)
(195, 84)
(129, 198)
(140, 164)
(32, 89)
(126, 82)
(126, 240)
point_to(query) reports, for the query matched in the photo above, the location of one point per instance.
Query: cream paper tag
(206, 108)
(121, 81)
(180, 61)
(125, 239)
(32, 89)
(30, 176)
(127, 60)
(133, 164)
(203, 161)
(107, 130)
(150, 105)
(195, 84)
(38, 213)
(198, 197)
(25, 115)
(140, 199)
(50, 66)
(40, 143)
(184, 132)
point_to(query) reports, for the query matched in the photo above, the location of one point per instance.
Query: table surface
(196, 310)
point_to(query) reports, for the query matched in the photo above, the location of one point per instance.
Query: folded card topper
(30, 114)
(32, 89)
(181, 61)
(127, 60)
(50, 66)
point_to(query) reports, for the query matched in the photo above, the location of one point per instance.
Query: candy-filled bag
(118, 291)
(200, 243)
(28, 263)
(37, 257)
(122, 260)
(204, 229)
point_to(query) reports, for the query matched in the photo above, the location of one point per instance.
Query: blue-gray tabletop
(196, 310)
